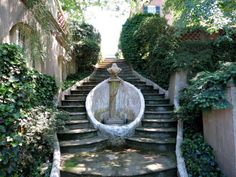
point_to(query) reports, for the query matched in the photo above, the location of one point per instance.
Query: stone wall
(178, 81)
(220, 132)
(56, 62)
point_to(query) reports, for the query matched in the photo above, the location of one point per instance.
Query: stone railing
(178, 81)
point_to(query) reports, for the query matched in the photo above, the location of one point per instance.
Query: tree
(76, 8)
(211, 14)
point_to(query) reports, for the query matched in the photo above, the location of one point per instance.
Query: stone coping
(181, 167)
(115, 130)
(55, 171)
(149, 82)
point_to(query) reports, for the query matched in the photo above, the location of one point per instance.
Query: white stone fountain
(114, 106)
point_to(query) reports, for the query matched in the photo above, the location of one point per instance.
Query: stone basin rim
(115, 130)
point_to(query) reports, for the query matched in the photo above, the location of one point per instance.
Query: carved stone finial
(114, 70)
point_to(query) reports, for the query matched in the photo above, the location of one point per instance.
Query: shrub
(147, 44)
(24, 130)
(128, 45)
(199, 157)
(194, 56)
(37, 127)
(206, 92)
(45, 88)
(198, 56)
(87, 53)
(86, 45)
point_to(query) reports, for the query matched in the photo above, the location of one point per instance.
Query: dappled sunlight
(116, 162)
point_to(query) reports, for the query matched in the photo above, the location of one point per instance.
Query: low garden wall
(220, 132)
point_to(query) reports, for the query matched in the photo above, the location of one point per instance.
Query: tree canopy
(211, 14)
(76, 8)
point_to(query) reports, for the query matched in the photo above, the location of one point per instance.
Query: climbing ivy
(22, 124)
(206, 91)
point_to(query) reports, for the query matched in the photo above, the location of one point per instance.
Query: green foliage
(20, 90)
(86, 45)
(210, 14)
(72, 79)
(76, 8)
(37, 127)
(45, 88)
(128, 43)
(194, 56)
(206, 92)
(198, 56)
(146, 43)
(199, 157)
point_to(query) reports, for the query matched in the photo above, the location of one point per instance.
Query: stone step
(156, 132)
(85, 145)
(158, 114)
(77, 124)
(159, 123)
(124, 78)
(78, 115)
(73, 102)
(85, 87)
(108, 66)
(76, 134)
(150, 90)
(78, 97)
(146, 87)
(151, 94)
(132, 80)
(96, 80)
(151, 144)
(119, 163)
(84, 91)
(156, 101)
(136, 81)
(72, 108)
(124, 73)
(156, 95)
(159, 107)
(91, 82)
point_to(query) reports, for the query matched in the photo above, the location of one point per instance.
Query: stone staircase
(148, 153)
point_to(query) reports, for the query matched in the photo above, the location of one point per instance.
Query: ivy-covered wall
(28, 119)
(42, 42)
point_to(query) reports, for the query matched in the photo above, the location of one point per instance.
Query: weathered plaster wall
(220, 132)
(14, 12)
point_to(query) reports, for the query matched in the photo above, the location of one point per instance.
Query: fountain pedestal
(114, 84)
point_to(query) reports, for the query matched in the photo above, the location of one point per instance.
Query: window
(152, 9)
